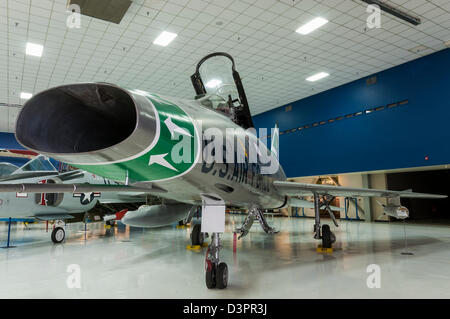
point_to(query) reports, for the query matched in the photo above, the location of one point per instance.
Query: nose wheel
(222, 276)
(216, 275)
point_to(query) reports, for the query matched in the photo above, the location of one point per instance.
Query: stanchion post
(9, 232)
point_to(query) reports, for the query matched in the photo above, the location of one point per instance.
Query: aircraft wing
(302, 189)
(130, 197)
(54, 216)
(302, 203)
(74, 188)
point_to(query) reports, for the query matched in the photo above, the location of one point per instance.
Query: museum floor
(137, 263)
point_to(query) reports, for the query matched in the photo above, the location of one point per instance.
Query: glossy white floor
(140, 263)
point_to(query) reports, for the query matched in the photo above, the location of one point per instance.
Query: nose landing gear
(216, 275)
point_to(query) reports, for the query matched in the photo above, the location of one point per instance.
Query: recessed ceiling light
(317, 77)
(213, 83)
(34, 49)
(418, 49)
(26, 96)
(165, 38)
(447, 43)
(312, 25)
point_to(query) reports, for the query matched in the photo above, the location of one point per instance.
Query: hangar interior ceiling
(273, 59)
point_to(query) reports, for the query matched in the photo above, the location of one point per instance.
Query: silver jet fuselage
(144, 139)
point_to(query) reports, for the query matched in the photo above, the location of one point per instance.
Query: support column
(9, 233)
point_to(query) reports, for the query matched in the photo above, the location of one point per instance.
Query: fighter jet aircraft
(59, 207)
(192, 153)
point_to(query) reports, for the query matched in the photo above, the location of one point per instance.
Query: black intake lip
(76, 119)
(88, 123)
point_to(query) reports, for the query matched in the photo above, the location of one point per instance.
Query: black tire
(210, 278)
(222, 276)
(197, 238)
(326, 236)
(58, 235)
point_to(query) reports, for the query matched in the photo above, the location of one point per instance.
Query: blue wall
(8, 141)
(392, 138)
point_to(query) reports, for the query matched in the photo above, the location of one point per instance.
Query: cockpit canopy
(38, 164)
(218, 86)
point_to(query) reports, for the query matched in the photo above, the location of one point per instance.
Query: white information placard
(213, 218)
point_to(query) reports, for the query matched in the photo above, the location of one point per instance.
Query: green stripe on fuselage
(163, 166)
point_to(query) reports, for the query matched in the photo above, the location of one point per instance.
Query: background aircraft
(70, 208)
(148, 130)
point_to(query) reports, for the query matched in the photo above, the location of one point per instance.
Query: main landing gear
(58, 233)
(197, 237)
(216, 275)
(323, 232)
(253, 214)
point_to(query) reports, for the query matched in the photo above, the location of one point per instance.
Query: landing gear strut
(324, 232)
(216, 275)
(253, 214)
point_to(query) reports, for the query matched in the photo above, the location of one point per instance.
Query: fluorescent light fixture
(34, 49)
(165, 38)
(213, 83)
(312, 25)
(26, 96)
(317, 77)
(395, 11)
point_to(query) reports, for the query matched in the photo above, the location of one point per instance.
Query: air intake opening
(77, 119)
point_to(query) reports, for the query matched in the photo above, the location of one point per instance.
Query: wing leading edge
(302, 189)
